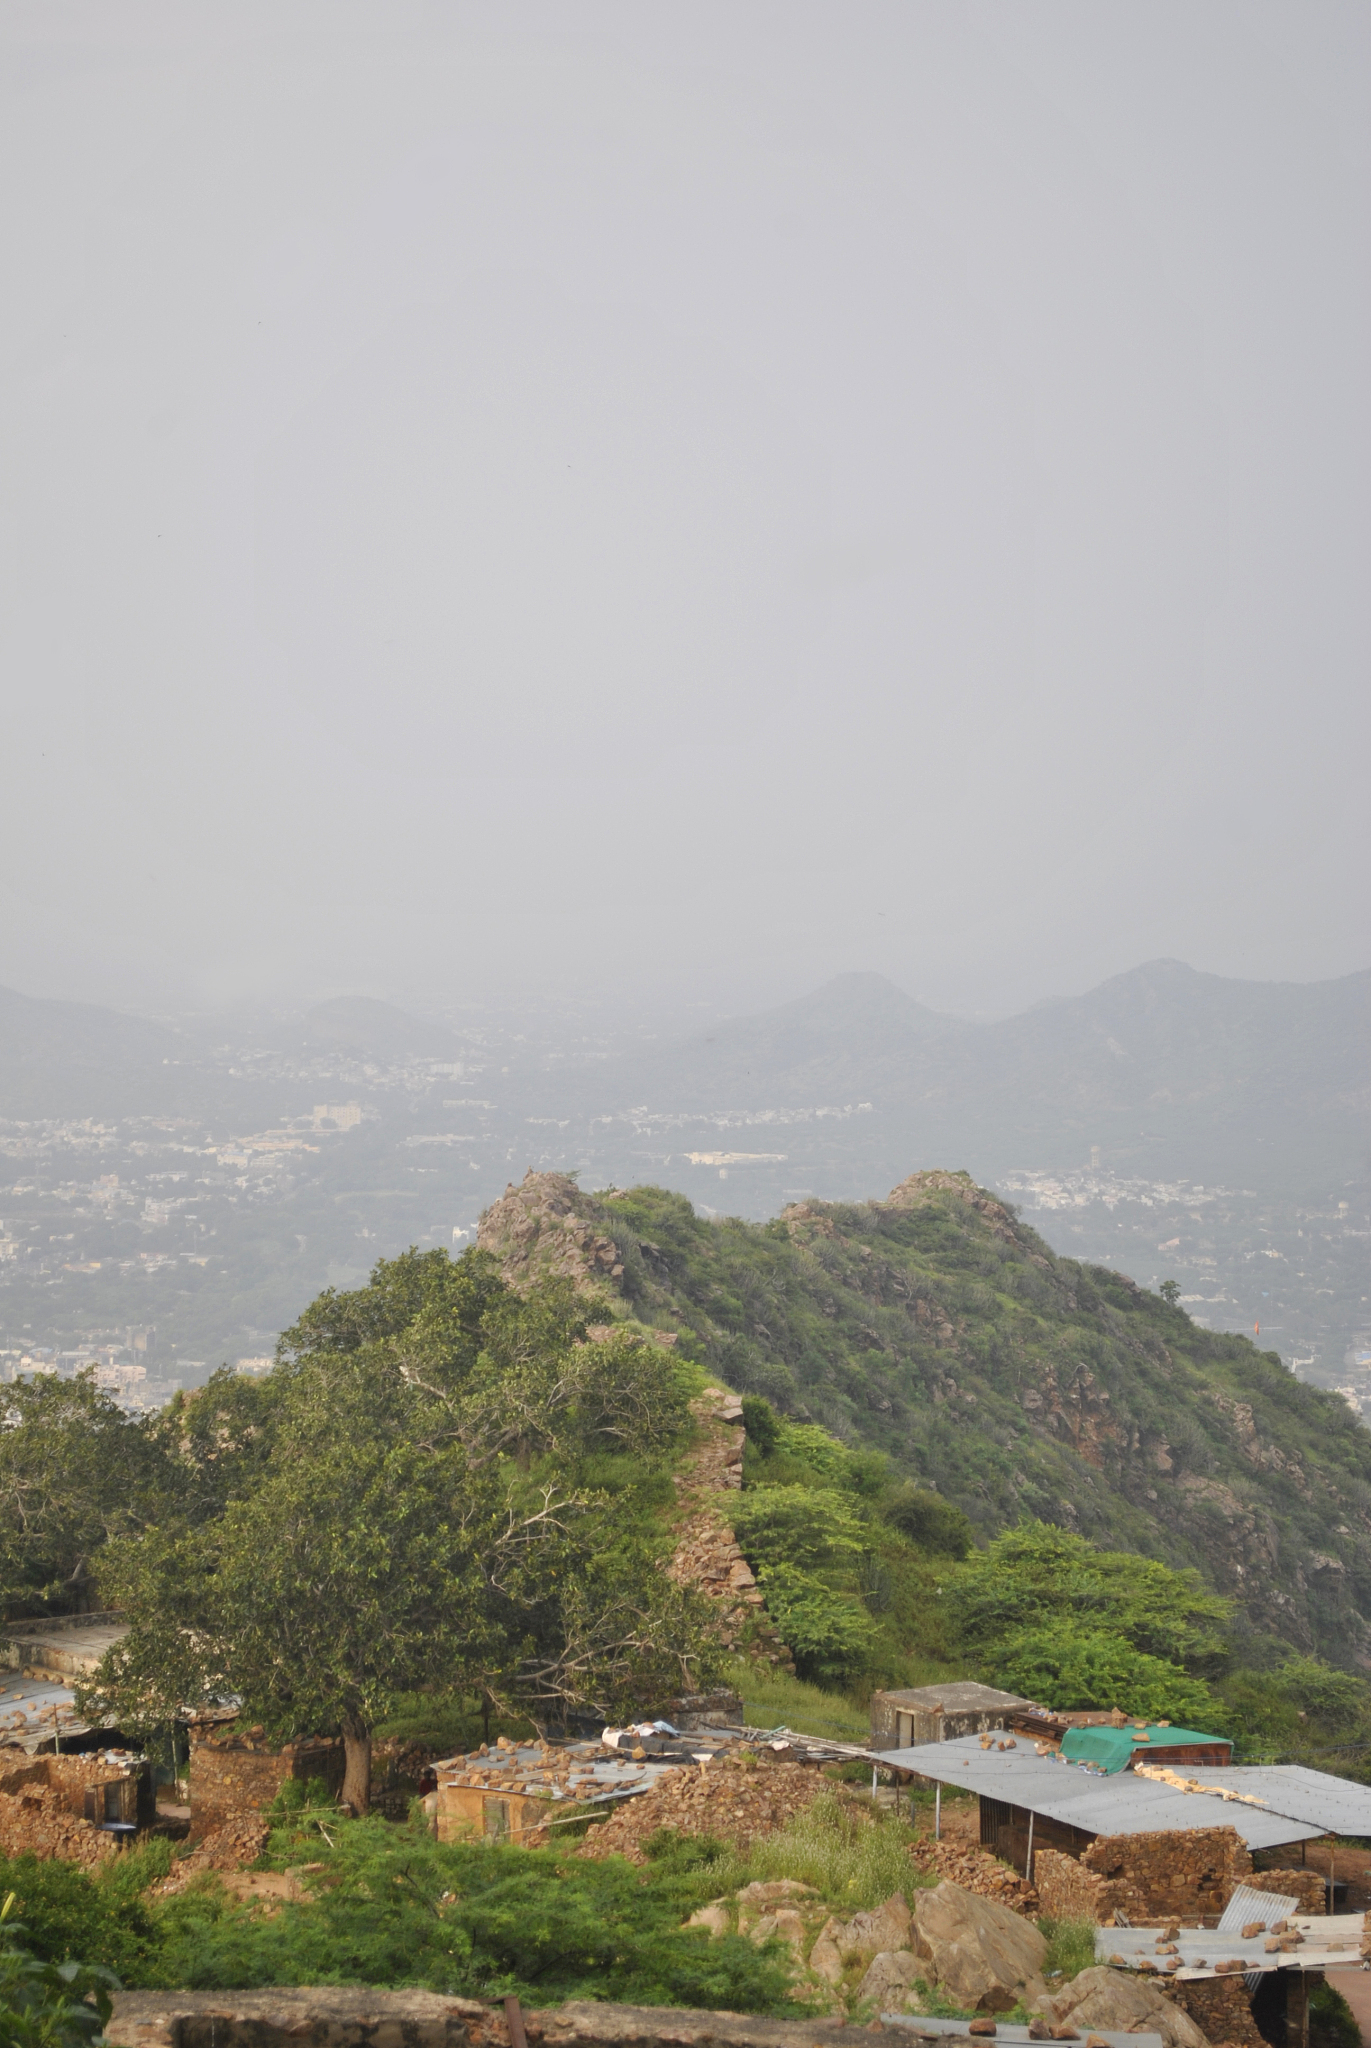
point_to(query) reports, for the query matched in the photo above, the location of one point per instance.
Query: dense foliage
(46, 2004)
(443, 1485)
(1021, 1386)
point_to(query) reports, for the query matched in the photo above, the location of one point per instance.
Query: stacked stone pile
(728, 1798)
(36, 1820)
(1175, 1874)
(977, 1871)
(238, 1840)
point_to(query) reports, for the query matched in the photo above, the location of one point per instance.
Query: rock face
(983, 1956)
(892, 1982)
(1114, 2001)
(538, 1230)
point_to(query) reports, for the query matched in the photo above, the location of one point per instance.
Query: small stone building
(938, 1713)
(234, 1768)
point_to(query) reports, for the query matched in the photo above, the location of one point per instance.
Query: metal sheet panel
(1334, 1805)
(1245, 1906)
(1122, 1805)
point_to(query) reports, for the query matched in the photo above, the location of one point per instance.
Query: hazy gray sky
(691, 496)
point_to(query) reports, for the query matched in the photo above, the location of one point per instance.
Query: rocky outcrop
(540, 1230)
(982, 1956)
(1102, 2000)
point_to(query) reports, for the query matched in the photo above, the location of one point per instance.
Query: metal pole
(1028, 1860)
(873, 1781)
(937, 1812)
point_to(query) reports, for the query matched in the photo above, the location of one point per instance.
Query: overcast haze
(686, 498)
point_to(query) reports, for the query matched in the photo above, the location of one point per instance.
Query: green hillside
(935, 1327)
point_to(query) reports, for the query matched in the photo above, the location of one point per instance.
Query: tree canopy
(407, 1502)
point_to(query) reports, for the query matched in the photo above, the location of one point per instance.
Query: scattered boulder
(786, 1924)
(715, 1918)
(983, 1956)
(1103, 2001)
(892, 1980)
(887, 1928)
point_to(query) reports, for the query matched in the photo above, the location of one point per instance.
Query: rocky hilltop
(937, 1327)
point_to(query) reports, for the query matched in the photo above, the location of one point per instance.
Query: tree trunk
(356, 1794)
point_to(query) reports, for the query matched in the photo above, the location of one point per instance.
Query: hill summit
(937, 1327)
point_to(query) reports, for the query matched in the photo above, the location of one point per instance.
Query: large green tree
(74, 1471)
(383, 1518)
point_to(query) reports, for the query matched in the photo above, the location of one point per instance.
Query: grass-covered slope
(936, 1327)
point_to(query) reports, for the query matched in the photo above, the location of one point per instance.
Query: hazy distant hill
(367, 1029)
(78, 1060)
(1164, 1069)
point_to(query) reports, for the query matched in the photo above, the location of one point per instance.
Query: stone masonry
(1178, 1873)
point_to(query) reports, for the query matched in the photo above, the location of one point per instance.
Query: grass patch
(775, 1699)
(855, 1859)
(1070, 1947)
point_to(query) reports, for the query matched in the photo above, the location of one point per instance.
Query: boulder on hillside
(981, 1955)
(884, 1929)
(891, 1981)
(1116, 2001)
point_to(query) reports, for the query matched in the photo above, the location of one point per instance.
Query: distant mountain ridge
(1254, 1080)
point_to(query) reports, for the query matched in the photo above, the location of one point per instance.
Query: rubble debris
(976, 1871)
(237, 1840)
(730, 1798)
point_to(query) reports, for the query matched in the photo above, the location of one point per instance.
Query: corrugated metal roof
(924, 2024)
(1327, 1943)
(958, 1696)
(1333, 1806)
(1247, 1905)
(1122, 1805)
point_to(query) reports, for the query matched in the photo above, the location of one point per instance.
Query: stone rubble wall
(1308, 1886)
(1221, 2008)
(243, 1773)
(35, 1821)
(1067, 1890)
(1175, 1873)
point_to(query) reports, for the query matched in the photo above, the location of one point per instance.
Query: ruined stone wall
(1068, 1890)
(1221, 2008)
(69, 1777)
(34, 1821)
(1178, 1873)
(238, 1773)
(1310, 1887)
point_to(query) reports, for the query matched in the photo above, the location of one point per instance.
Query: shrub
(45, 2004)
